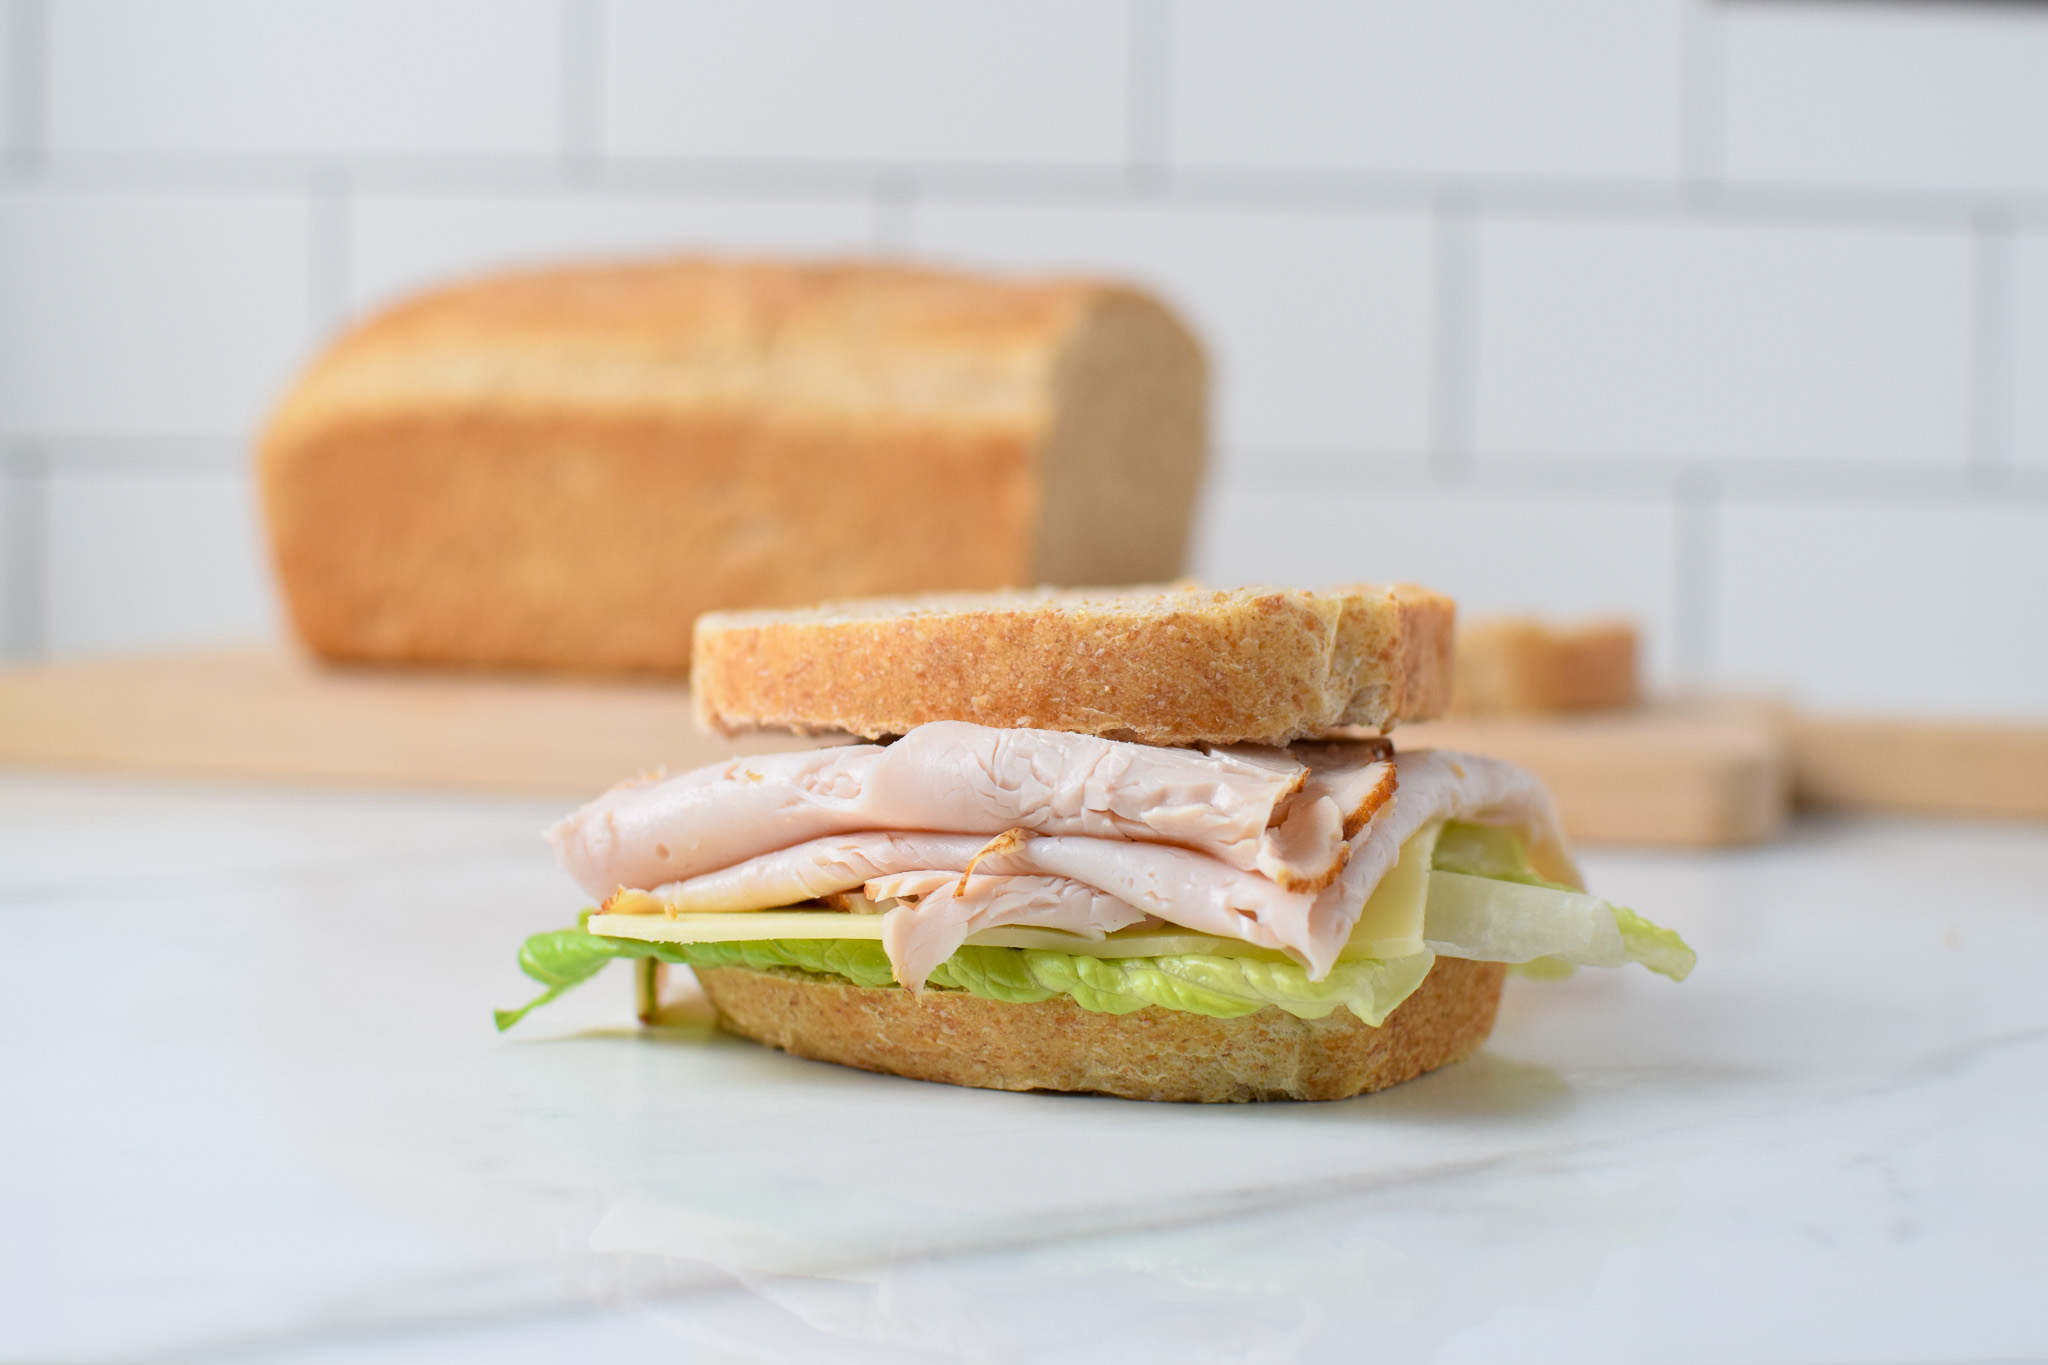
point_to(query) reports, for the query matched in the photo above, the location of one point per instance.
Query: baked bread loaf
(1153, 1054)
(1164, 666)
(562, 469)
(1518, 666)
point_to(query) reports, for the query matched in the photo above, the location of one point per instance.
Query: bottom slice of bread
(1153, 1054)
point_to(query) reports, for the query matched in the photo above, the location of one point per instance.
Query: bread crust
(561, 469)
(1153, 1054)
(1163, 666)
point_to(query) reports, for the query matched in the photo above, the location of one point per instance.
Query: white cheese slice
(753, 925)
(1390, 926)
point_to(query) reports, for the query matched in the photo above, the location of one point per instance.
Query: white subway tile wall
(1877, 607)
(1318, 321)
(876, 83)
(144, 558)
(1712, 340)
(1570, 88)
(1733, 318)
(1574, 556)
(2026, 379)
(1935, 96)
(149, 314)
(11, 51)
(325, 78)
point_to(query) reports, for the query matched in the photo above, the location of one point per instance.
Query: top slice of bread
(1161, 666)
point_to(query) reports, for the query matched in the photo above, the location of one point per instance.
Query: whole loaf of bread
(563, 469)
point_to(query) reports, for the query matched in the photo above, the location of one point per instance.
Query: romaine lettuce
(1220, 987)
(1485, 902)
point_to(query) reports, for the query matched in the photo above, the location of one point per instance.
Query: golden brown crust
(1518, 666)
(1154, 1054)
(562, 469)
(1165, 666)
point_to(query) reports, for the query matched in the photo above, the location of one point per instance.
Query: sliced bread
(1172, 665)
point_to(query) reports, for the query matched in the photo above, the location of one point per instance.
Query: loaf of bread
(563, 469)
(1164, 665)
(1518, 666)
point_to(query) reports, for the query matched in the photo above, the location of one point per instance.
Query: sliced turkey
(950, 776)
(1434, 784)
(935, 912)
(1346, 784)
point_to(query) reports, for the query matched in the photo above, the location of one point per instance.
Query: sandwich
(1154, 844)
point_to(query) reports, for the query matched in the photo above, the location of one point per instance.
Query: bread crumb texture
(1152, 1054)
(1160, 665)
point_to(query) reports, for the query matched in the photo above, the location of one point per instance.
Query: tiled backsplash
(1730, 316)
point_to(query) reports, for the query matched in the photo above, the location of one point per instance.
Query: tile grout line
(1453, 350)
(331, 201)
(1790, 206)
(895, 216)
(26, 140)
(1149, 113)
(1990, 345)
(25, 543)
(1694, 590)
(582, 112)
(1701, 99)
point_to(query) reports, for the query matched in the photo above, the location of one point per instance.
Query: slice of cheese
(1391, 923)
(754, 925)
(1390, 926)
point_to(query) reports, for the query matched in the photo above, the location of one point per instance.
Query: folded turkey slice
(949, 776)
(1180, 885)
(1433, 784)
(1347, 783)
(934, 912)
(1276, 847)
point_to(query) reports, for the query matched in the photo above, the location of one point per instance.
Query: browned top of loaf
(823, 342)
(1164, 666)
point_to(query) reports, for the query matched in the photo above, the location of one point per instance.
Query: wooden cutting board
(1686, 774)
(1671, 776)
(1921, 767)
(1695, 773)
(271, 713)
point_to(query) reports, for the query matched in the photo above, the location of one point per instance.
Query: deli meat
(1434, 784)
(935, 912)
(1191, 889)
(1276, 847)
(949, 776)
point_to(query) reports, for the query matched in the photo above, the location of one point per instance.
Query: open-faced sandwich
(1152, 844)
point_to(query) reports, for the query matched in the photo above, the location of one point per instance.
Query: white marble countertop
(254, 1109)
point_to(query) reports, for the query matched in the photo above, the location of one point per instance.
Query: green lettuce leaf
(1220, 987)
(1491, 851)
(1502, 921)
(568, 957)
(1486, 903)
(1545, 936)
(1658, 948)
